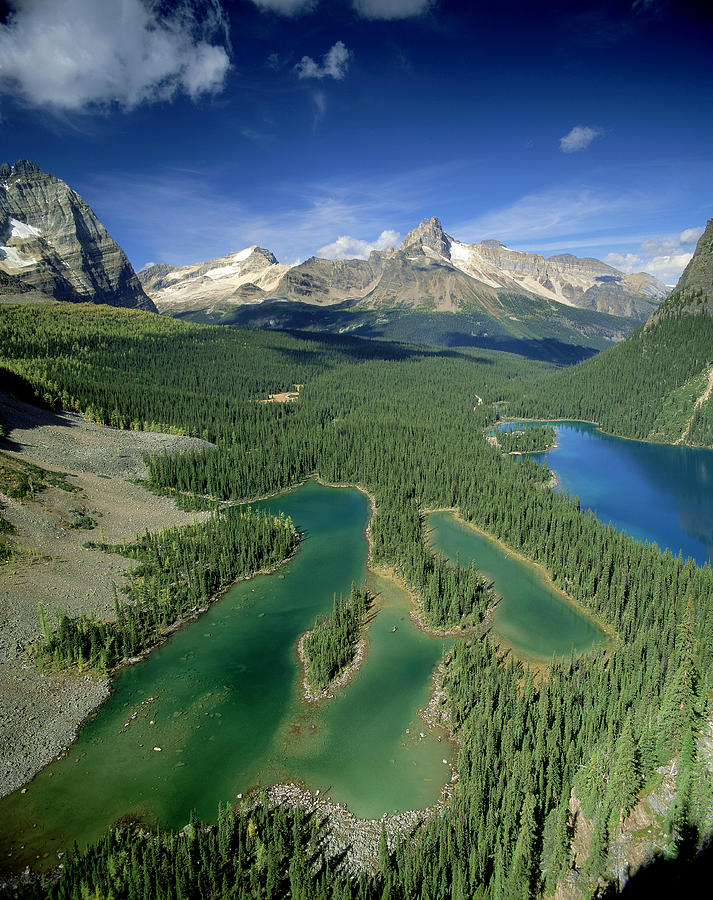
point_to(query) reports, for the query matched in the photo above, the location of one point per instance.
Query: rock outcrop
(52, 244)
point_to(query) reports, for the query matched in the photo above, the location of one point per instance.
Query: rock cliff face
(244, 277)
(52, 244)
(585, 283)
(429, 271)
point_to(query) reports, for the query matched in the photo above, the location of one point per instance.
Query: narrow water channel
(217, 710)
(533, 617)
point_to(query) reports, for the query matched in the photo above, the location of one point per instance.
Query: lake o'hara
(655, 492)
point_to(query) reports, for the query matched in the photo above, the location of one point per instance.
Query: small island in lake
(332, 649)
(528, 439)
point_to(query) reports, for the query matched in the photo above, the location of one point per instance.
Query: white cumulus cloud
(334, 65)
(347, 247)
(665, 257)
(392, 9)
(579, 138)
(76, 54)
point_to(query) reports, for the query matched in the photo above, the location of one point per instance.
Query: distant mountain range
(430, 270)
(431, 289)
(53, 247)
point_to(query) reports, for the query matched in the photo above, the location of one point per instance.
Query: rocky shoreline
(353, 840)
(44, 720)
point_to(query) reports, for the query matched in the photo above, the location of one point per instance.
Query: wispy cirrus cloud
(286, 7)
(367, 9)
(154, 217)
(334, 64)
(559, 213)
(78, 55)
(392, 9)
(579, 138)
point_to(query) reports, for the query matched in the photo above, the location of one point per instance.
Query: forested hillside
(407, 424)
(655, 385)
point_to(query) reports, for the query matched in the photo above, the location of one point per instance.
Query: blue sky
(330, 127)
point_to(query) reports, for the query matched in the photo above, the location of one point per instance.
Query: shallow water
(222, 701)
(533, 617)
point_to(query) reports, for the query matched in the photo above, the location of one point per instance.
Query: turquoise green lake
(222, 701)
(533, 617)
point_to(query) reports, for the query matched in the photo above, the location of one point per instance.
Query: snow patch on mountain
(459, 251)
(12, 259)
(22, 229)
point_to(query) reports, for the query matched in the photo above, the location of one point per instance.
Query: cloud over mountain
(347, 247)
(663, 257)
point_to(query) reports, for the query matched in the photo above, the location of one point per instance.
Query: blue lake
(655, 492)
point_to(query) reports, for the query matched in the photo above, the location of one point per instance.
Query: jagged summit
(53, 246)
(21, 167)
(428, 234)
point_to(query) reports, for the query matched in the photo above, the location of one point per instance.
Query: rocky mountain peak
(26, 167)
(428, 234)
(266, 254)
(698, 274)
(52, 243)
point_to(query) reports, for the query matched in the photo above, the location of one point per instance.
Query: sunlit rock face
(243, 277)
(53, 246)
(693, 294)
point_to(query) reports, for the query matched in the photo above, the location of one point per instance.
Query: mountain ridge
(654, 385)
(429, 270)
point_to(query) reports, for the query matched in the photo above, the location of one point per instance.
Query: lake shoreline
(503, 644)
(354, 839)
(97, 687)
(435, 699)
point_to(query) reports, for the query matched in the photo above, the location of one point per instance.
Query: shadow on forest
(686, 876)
(543, 349)
(411, 327)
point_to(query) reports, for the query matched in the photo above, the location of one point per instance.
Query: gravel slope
(40, 713)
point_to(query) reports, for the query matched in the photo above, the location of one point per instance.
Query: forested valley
(405, 424)
(645, 387)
